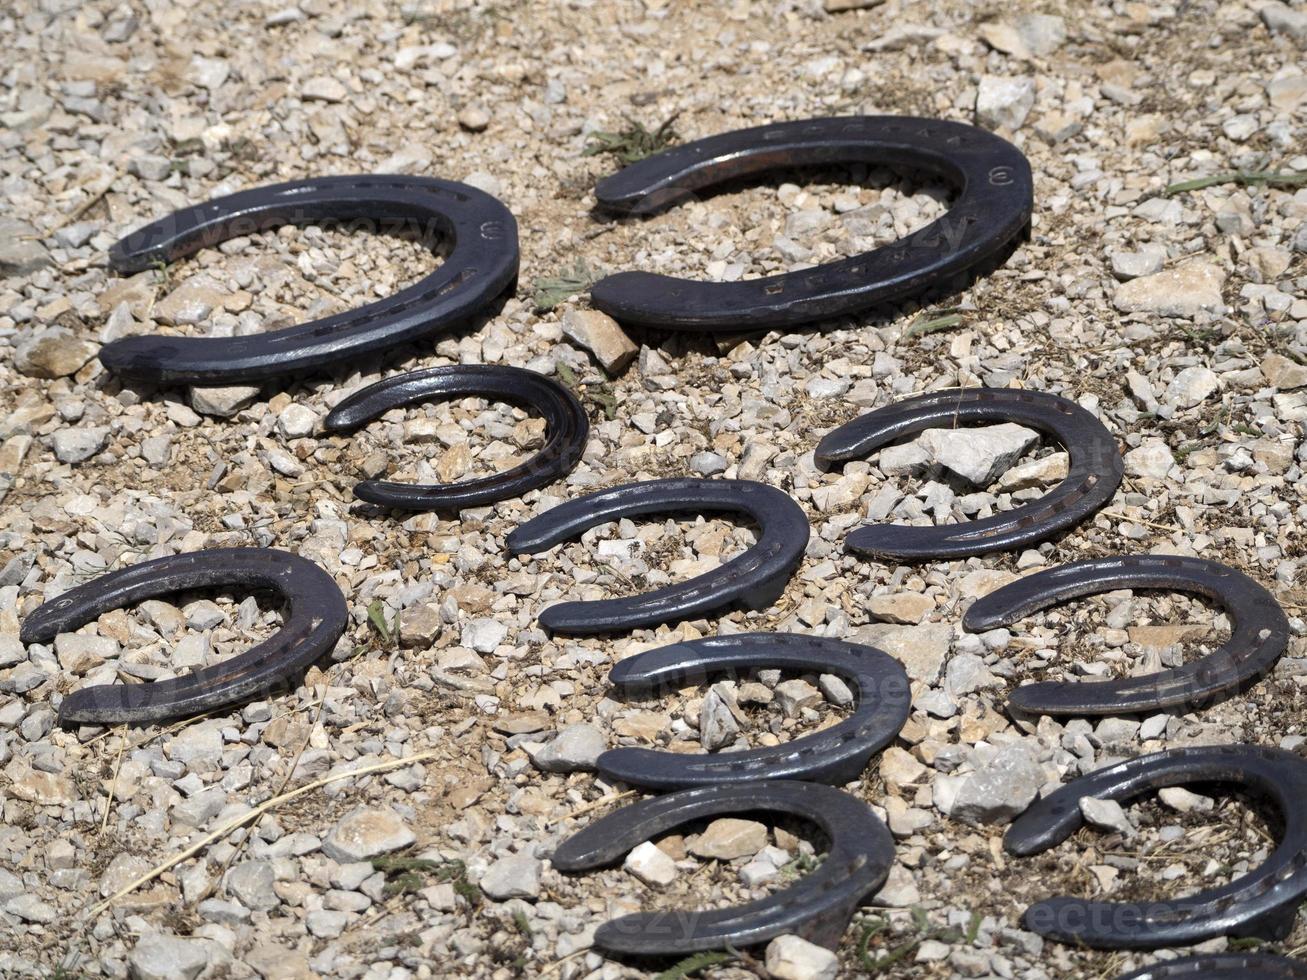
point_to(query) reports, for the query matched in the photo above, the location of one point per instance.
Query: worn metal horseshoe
(995, 197)
(481, 266)
(1223, 966)
(754, 579)
(1259, 633)
(315, 616)
(1262, 903)
(566, 428)
(818, 907)
(1094, 474)
(837, 754)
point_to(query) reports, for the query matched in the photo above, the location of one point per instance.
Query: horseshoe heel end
(1223, 966)
(139, 359)
(641, 299)
(628, 192)
(438, 497)
(134, 253)
(839, 446)
(653, 770)
(1057, 699)
(987, 614)
(578, 619)
(532, 538)
(41, 626)
(910, 543)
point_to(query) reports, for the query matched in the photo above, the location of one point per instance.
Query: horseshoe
(1262, 903)
(818, 907)
(1094, 474)
(314, 619)
(1259, 634)
(993, 207)
(754, 580)
(1224, 966)
(481, 266)
(566, 428)
(834, 755)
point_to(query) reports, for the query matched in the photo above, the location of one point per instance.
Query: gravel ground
(1180, 321)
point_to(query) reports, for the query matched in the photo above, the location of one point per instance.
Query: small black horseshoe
(834, 755)
(1259, 634)
(993, 207)
(565, 432)
(315, 616)
(481, 266)
(818, 907)
(1223, 966)
(1262, 903)
(754, 580)
(1094, 474)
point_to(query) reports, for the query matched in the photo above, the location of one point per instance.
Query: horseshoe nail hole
(728, 713)
(785, 221)
(952, 475)
(165, 637)
(770, 851)
(447, 441)
(1168, 855)
(1116, 634)
(276, 279)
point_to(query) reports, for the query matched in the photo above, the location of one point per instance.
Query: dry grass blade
(599, 804)
(254, 813)
(923, 325)
(290, 773)
(1244, 178)
(113, 785)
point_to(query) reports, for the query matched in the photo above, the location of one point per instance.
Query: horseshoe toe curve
(566, 430)
(315, 616)
(754, 579)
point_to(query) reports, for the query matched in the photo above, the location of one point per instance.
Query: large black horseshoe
(566, 428)
(1094, 474)
(1259, 633)
(1262, 903)
(314, 618)
(818, 907)
(755, 579)
(993, 207)
(481, 266)
(1223, 966)
(835, 755)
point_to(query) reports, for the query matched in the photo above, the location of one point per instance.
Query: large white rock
(515, 876)
(792, 958)
(996, 792)
(1184, 291)
(1004, 103)
(651, 865)
(160, 957)
(365, 833)
(981, 454)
